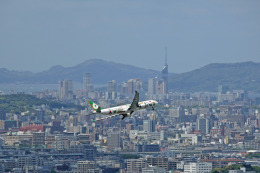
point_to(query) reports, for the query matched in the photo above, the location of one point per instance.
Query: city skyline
(37, 35)
(129, 86)
(202, 131)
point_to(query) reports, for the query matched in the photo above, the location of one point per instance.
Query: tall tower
(152, 86)
(165, 72)
(203, 125)
(131, 83)
(87, 82)
(66, 89)
(111, 90)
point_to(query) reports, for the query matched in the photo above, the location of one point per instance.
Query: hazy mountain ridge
(102, 72)
(245, 75)
(11, 76)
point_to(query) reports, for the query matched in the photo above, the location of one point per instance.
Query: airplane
(125, 110)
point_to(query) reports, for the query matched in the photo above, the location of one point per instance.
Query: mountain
(7, 76)
(102, 72)
(244, 75)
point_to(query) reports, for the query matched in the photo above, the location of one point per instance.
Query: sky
(38, 34)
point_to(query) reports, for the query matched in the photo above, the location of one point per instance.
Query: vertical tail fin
(95, 106)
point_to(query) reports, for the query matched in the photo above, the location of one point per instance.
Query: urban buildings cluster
(187, 132)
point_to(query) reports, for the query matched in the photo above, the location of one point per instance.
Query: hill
(17, 103)
(7, 76)
(102, 72)
(244, 75)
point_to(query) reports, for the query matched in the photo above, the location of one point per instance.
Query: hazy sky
(38, 34)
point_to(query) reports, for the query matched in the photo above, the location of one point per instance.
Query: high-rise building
(87, 82)
(149, 125)
(152, 86)
(133, 85)
(178, 113)
(38, 138)
(40, 115)
(138, 84)
(165, 72)
(113, 141)
(111, 86)
(161, 86)
(66, 89)
(129, 127)
(203, 125)
(111, 90)
(156, 86)
(124, 88)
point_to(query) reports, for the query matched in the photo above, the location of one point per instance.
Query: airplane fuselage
(124, 109)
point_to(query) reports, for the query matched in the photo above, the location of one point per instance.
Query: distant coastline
(29, 88)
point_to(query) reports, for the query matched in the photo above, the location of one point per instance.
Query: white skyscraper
(66, 89)
(111, 90)
(87, 82)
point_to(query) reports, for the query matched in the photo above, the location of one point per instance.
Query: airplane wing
(135, 101)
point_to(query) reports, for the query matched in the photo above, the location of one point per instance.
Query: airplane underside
(127, 115)
(124, 116)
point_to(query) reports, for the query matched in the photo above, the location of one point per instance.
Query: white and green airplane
(125, 110)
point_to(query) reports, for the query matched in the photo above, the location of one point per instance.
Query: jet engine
(142, 105)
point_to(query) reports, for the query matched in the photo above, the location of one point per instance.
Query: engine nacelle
(142, 105)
